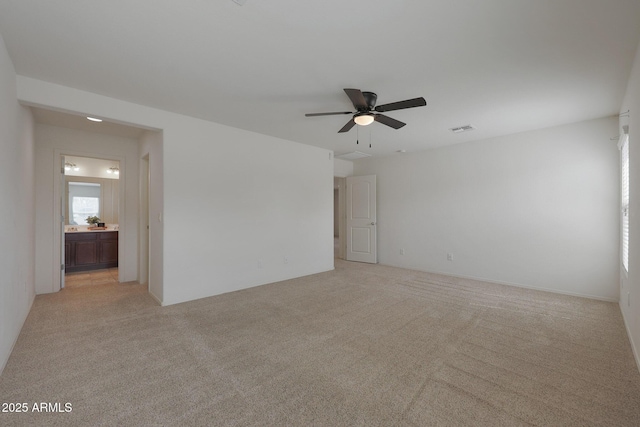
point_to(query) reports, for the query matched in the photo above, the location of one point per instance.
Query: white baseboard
(3, 363)
(636, 356)
(155, 298)
(517, 285)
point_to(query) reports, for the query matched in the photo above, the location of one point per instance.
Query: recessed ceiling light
(93, 119)
(461, 129)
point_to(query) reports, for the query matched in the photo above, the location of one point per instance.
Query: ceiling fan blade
(357, 98)
(348, 126)
(386, 120)
(409, 103)
(328, 114)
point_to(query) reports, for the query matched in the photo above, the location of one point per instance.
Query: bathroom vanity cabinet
(89, 250)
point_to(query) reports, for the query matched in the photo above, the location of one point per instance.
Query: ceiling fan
(367, 112)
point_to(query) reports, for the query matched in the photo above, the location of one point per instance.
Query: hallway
(107, 276)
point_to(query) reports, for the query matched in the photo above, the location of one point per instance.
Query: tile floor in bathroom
(94, 277)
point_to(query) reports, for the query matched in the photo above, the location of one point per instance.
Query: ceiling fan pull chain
(357, 136)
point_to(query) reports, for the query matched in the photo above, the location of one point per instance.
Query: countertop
(89, 231)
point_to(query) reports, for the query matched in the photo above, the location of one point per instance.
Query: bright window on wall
(624, 149)
(84, 201)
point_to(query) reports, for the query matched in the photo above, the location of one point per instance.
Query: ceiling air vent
(354, 155)
(461, 129)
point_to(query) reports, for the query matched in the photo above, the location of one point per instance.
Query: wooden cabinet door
(90, 251)
(68, 256)
(108, 251)
(86, 253)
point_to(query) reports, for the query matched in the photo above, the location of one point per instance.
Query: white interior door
(361, 219)
(63, 205)
(144, 225)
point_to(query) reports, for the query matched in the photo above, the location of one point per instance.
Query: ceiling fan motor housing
(371, 99)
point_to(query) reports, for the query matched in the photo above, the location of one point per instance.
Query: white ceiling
(504, 66)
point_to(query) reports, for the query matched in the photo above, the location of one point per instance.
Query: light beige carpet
(363, 345)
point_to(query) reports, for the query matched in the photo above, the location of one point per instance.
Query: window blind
(625, 200)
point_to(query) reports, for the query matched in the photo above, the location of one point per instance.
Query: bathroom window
(84, 201)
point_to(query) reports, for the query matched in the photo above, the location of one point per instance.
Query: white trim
(155, 298)
(636, 356)
(3, 363)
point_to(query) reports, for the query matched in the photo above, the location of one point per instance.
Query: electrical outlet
(402, 251)
(286, 260)
(449, 257)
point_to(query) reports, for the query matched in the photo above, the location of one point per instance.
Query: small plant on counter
(93, 220)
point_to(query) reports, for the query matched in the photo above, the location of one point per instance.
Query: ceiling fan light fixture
(363, 119)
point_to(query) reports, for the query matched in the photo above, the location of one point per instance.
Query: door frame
(342, 216)
(58, 205)
(62, 213)
(144, 259)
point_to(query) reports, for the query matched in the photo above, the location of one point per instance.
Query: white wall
(236, 203)
(342, 168)
(630, 284)
(17, 237)
(536, 209)
(151, 149)
(51, 142)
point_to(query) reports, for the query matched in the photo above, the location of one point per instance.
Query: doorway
(144, 259)
(90, 206)
(339, 217)
(61, 134)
